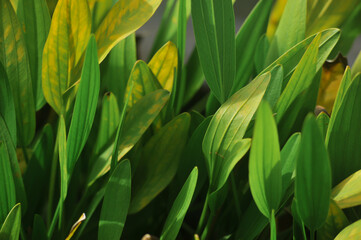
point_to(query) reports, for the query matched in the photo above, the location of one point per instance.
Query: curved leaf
(10, 230)
(352, 232)
(348, 193)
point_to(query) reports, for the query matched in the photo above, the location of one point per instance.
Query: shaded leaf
(39, 229)
(10, 229)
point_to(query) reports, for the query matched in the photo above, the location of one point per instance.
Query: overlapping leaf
(10, 229)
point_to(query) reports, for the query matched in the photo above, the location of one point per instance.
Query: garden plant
(255, 135)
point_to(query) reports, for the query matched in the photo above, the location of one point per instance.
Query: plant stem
(203, 215)
(208, 226)
(54, 165)
(53, 222)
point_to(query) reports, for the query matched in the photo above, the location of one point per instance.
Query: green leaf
(265, 171)
(286, 37)
(342, 136)
(323, 120)
(100, 10)
(116, 202)
(139, 118)
(125, 17)
(213, 21)
(10, 230)
(35, 16)
(7, 187)
(14, 57)
(7, 142)
(300, 80)
(109, 120)
(356, 67)
(335, 222)
(180, 206)
(223, 143)
(344, 85)
(313, 176)
(69, 32)
(352, 232)
(39, 229)
(85, 105)
(274, 88)
(348, 193)
(118, 66)
(7, 108)
(63, 163)
(159, 161)
(247, 41)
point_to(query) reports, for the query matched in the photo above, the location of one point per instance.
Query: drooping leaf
(116, 202)
(164, 65)
(7, 108)
(85, 105)
(10, 229)
(285, 36)
(139, 118)
(109, 120)
(76, 226)
(332, 73)
(352, 232)
(313, 176)
(265, 171)
(342, 136)
(125, 17)
(159, 161)
(69, 32)
(348, 193)
(14, 57)
(35, 17)
(222, 145)
(247, 41)
(335, 222)
(7, 187)
(180, 206)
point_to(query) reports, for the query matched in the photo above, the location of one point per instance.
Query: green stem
(312, 232)
(235, 195)
(54, 165)
(53, 222)
(208, 226)
(203, 215)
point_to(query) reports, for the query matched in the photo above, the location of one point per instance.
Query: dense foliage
(95, 144)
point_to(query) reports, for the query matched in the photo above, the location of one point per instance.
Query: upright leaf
(10, 229)
(116, 203)
(313, 176)
(222, 145)
(14, 57)
(35, 17)
(85, 105)
(265, 171)
(159, 161)
(68, 37)
(180, 206)
(125, 17)
(63, 163)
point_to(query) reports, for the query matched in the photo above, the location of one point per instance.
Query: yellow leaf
(75, 226)
(125, 17)
(69, 33)
(164, 65)
(348, 193)
(332, 74)
(275, 17)
(14, 57)
(352, 232)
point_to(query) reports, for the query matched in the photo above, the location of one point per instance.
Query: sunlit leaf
(348, 193)
(352, 232)
(10, 229)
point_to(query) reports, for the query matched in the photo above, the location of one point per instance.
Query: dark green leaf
(39, 229)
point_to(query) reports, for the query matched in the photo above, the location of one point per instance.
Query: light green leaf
(7, 187)
(10, 229)
(274, 89)
(335, 222)
(64, 176)
(7, 108)
(69, 32)
(109, 120)
(85, 105)
(125, 17)
(35, 16)
(139, 118)
(352, 232)
(247, 41)
(356, 67)
(265, 171)
(179, 209)
(286, 37)
(348, 193)
(116, 203)
(345, 84)
(313, 176)
(342, 137)
(159, 161)
(222, 145)
(14, 57)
